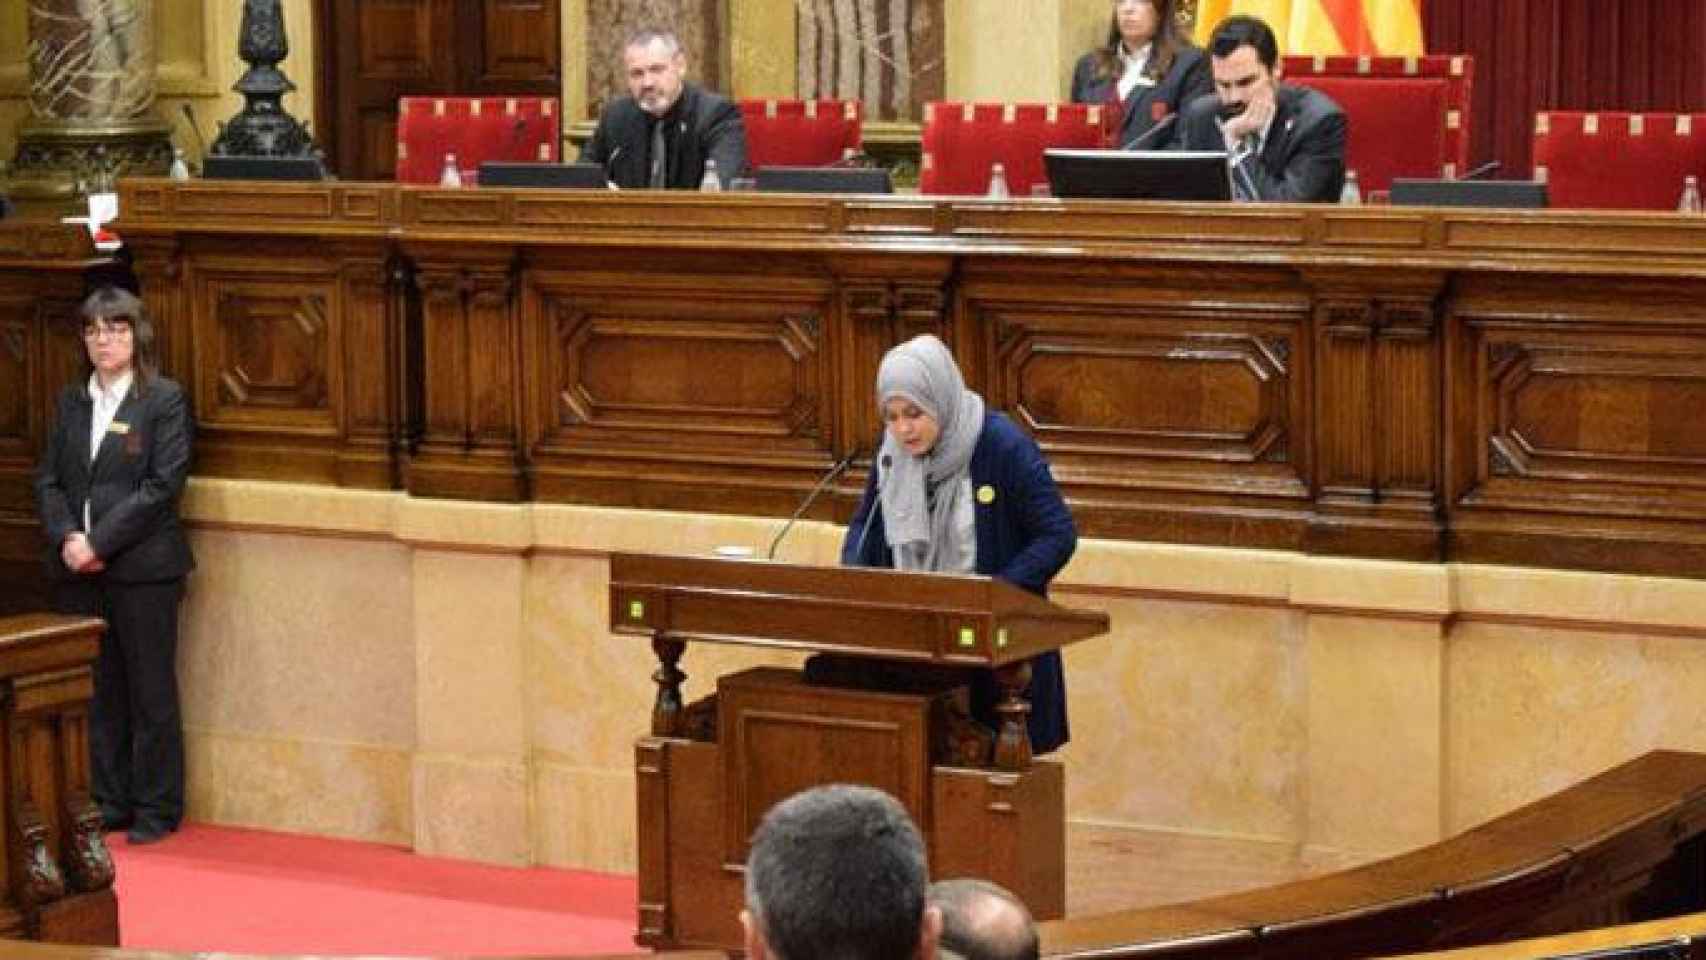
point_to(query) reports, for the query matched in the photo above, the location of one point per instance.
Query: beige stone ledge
(322, 787)
(1371, 588)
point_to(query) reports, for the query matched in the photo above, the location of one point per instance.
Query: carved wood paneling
(470, 376)
(1273, 376)
(1137, 387)
(678, 380)
(1591, 411)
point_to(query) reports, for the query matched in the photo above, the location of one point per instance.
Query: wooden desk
(1488, 386)
(60, 876)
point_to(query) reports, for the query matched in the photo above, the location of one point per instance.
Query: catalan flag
(1325, 27)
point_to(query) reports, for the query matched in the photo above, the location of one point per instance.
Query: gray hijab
(921, 533)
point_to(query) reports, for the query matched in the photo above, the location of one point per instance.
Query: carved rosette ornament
(263, 128)
(92, 83)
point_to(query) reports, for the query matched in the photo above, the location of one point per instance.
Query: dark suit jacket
(700, 125)
(1303, 160)
(132, 487)
(1186, 79)
(1025, 534)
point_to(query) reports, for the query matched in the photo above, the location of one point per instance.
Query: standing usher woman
(107, 491)
(1146, 71)
(961, 489)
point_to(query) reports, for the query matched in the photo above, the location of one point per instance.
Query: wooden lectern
(710, 770)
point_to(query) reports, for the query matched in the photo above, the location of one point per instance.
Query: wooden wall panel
(653, 381)
(1504, 386)
(1533, 55)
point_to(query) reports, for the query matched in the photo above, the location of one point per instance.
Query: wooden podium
(711, 769)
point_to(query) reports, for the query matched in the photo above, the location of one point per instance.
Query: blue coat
(1024, 536)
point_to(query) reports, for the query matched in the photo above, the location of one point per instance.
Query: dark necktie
(659, 151)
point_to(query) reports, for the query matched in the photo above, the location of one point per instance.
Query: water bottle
(1351, 195)
(710, 182)
(180, 170)
(1690, 202)
(998, 182)
(451, 177)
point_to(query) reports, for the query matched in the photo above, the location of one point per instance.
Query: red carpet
(247, 891)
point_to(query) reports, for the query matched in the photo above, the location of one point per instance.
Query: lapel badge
(986, 494)
(119, 427)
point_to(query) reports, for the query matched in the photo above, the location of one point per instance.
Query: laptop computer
(1468, 193)
(823, 180)
(1138, 174)
(501, 173)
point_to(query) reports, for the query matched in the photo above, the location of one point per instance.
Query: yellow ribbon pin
(986, 494)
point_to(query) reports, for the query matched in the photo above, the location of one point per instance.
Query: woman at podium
(958, 488)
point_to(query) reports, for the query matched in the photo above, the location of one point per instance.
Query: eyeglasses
(102, 331)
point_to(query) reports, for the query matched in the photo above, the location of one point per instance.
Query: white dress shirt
(106, 407)
(1132, 65)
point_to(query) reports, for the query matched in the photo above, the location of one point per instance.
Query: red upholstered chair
(801, 133)
(963, 140)
(476, 129)
(1409, 116)
(1629, 161)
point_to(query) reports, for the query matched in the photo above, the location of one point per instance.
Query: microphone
(1489, 167)
(876, 502)
(828, 478)
(610, 167)
(1165, 124)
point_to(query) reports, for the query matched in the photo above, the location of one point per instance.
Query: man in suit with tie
(663, 133)
(1283, 143)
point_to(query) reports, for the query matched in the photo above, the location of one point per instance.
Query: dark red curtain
(1533, 55)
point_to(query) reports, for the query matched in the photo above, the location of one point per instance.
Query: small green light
(636, 610)
(968, 637)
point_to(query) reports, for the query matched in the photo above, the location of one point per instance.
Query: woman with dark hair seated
(1146, 72)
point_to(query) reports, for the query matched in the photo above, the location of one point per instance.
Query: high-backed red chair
(801, 133)
(963, 140)
(1628, 161)
(476, 129)
(1409, 116)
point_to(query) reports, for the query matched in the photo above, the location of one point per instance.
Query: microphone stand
(828, 478)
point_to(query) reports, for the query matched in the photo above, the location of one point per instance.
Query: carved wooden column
(1378, 413)
(60, 875)
(884, 302)
(470, 334)
(41, 279)
(371, 282)
(92, 82)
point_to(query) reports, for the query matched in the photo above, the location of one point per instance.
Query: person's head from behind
(655, 67)
(1244, 55)
(983, 921)
(117, 335)
(919, 393)
(838, 873)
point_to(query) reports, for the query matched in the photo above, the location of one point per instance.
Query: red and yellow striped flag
(1325, 27)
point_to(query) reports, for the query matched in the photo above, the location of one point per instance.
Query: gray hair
(984, 921)
(837, 873)
(644, 36)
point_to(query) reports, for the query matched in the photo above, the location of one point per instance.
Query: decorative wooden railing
(1627, 845)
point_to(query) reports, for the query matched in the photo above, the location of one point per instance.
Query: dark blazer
(1024, 536)
(700, 125)
(1303, 160)
(132, 487)
(1187, 79)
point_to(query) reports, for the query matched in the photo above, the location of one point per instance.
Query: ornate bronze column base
(59, 160)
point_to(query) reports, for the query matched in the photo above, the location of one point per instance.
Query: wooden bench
(1623, 846)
